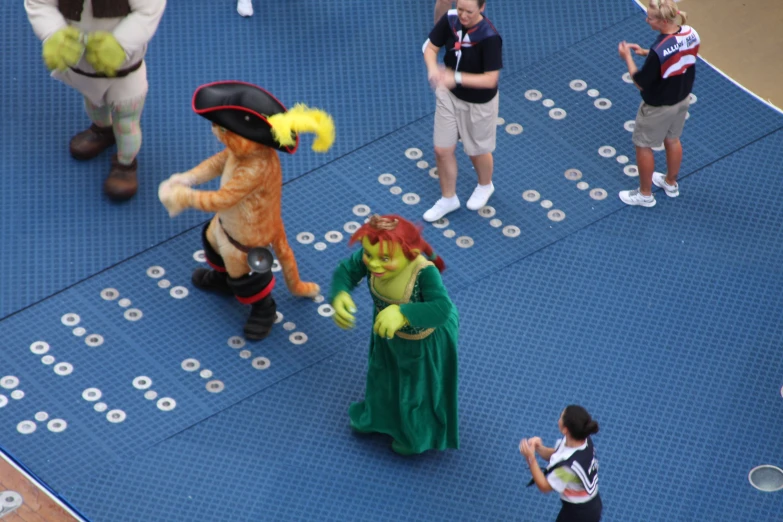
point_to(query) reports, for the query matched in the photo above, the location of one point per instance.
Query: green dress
(411, 391)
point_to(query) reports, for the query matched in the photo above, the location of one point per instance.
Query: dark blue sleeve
(650, 71)
(441, 32)
(492, 53)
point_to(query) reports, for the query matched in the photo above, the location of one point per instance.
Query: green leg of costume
(125, 118)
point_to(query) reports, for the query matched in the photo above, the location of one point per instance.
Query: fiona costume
(411, 391)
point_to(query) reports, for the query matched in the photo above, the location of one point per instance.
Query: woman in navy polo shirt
(466, 92)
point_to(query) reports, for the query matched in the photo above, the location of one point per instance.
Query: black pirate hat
(243, 109)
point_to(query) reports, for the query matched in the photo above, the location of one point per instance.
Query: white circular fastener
(276, 267)
(631, 170)
(115, 416)
(70, 319)
(39, 347)
(531, 195)
(449, 233)
(142, 382)
(578, 85)
(361, 210)
(333, 236)
(298, 338)
(627, 78)
(178, 292)
(351, 227)
(278, 317)
(9, 501)
(215, 386)
(124, 302)
(156, 272)
(41, 416)
(629, 125)
(93, 340)
(91, 394)
(465, 242)
(557, 113)
(206, 373)
(546, 203)
(190, 365)
(548, 103)
(514, 129)
(606, 151)
(511, 231)
(413, 153)
(766, 478)
(245, 354)
(56, 425)
(261, 363)
(500, 121)
(422, 164)
(9, 382)
(573, 174)
(692, 98)
(150, 395)
(598, 194)
(199, 256)
(100, 407)
(556, 215)
(289, 326)
(602, 103)
(318, 299)
(17, 395)
(26, 427)
(109, 294)
(164, 283)
(434, 173)
(63, 368)
(3, 400)
(411, 198)
(305, 238)
(79, 331)
(622, 160)
(325, 310)
(593, 93)
(133, 314)
(235, 342)
(533, 95)
(495, 223)
(687, 115)
(486, 211)
(441, 223)
(396, 190)
(47, 359)
(166, 404)
(387, 179)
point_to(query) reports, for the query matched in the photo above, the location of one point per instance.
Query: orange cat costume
(253, 125)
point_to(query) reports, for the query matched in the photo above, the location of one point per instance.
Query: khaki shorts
(654, 124)
(475, 123)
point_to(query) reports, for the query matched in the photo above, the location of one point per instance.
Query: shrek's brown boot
(121, 183)
(91, 142)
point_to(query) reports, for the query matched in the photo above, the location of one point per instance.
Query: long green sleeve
(436, 305)
(347, 275)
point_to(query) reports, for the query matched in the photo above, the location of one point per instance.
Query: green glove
(388, 321)
(344, 308)
(63, 49)
(104, 53)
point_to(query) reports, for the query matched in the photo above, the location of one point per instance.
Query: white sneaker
(634, 197)
(245, 7)
(659, 180)
(442, 207)
(480, 196)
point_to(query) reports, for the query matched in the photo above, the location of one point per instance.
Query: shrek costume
(411, 391)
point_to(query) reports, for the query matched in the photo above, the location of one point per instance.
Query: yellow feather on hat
(299, 119)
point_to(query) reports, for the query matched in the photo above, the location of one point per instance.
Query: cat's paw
(184, 179)
(171, 195)
(302, 289)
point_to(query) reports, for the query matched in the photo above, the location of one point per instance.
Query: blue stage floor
(676, 310)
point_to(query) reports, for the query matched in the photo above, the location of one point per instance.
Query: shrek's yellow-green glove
(344, 308)
(104, 53)
(388, 321)
(63, 49)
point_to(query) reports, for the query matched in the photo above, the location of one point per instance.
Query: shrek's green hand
(344, 308)
(63, 49)
(104, 53)
(388, 321)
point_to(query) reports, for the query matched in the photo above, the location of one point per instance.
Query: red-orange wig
(400, 232)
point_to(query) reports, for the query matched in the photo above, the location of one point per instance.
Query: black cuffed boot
(216, 278)
(255, 290)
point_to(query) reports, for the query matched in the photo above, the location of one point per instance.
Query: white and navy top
(573, 472)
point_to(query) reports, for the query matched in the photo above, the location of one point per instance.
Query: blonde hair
(666, 10)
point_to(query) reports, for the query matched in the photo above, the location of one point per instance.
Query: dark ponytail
(579, 423)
